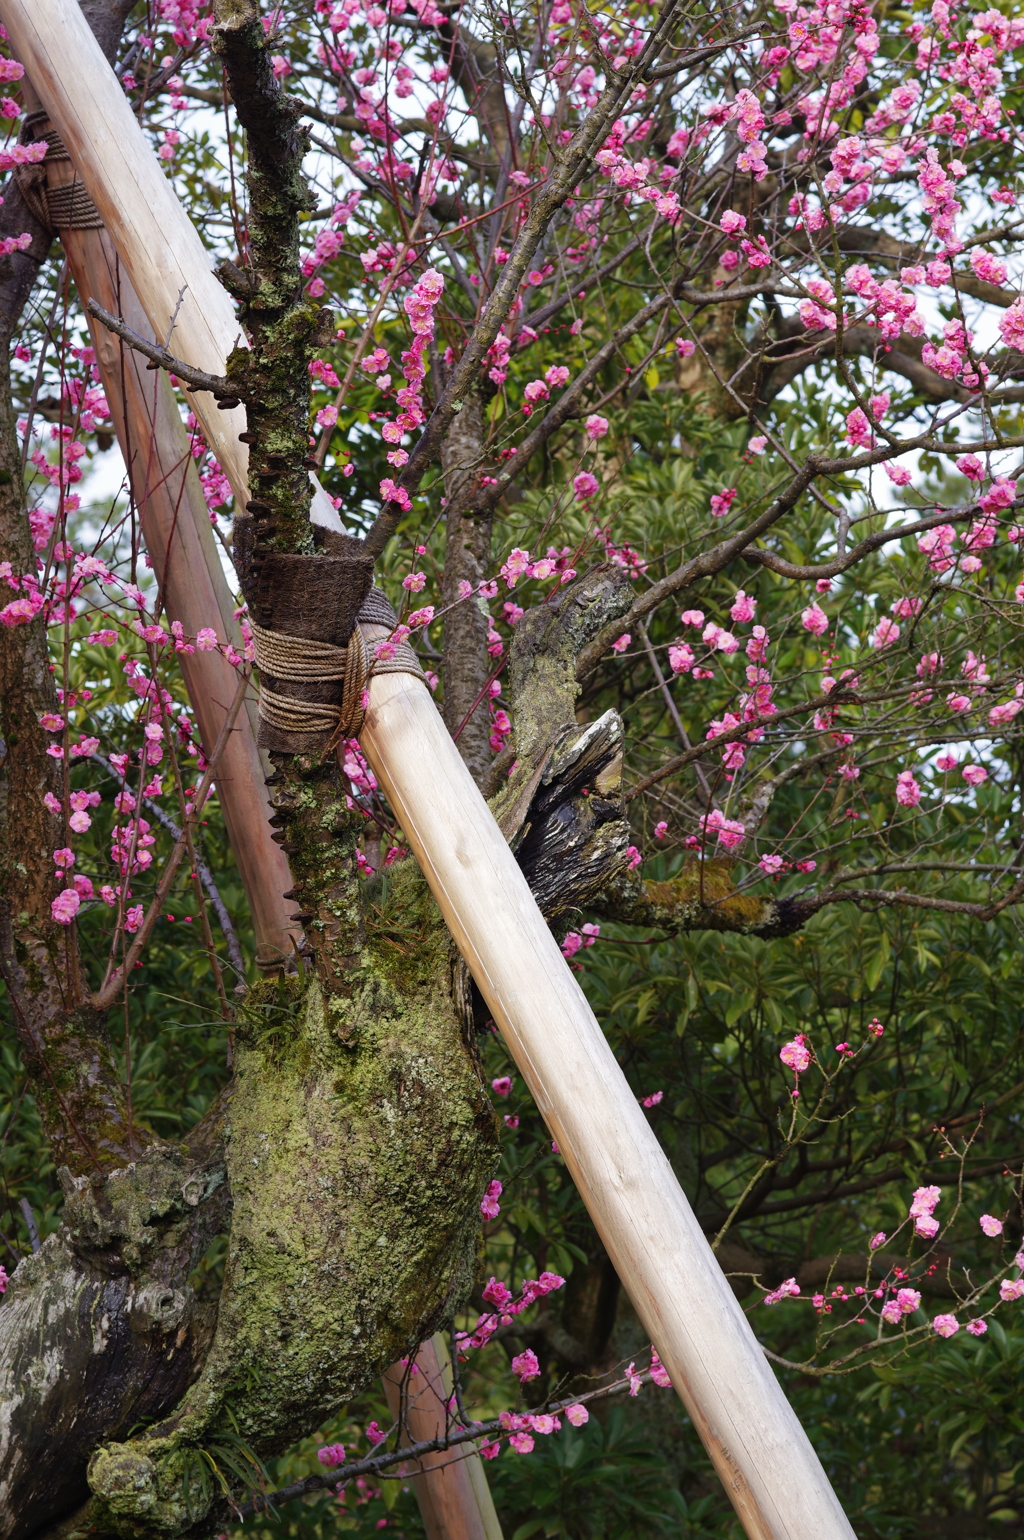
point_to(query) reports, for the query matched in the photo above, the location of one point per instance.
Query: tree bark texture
(467, 556)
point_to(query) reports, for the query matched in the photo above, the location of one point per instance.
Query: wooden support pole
(763, 1455)
(454, 1498)
(176, 530)
(181, 544)
(761, 1452)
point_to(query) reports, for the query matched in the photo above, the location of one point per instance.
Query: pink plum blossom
(596, 426)
(65, 906)
(885, 633)
(784, 1291)
(795, 1054)
(517, 564)
(1011, 1288)
(496, 1293)
(577, 1415)
(814, 620)
(908, 792)
(490, 1208)
(946, 1325)
(545, 1423)
(526, 1365)
(743, 607)
(659, 1374)
(990, 1225)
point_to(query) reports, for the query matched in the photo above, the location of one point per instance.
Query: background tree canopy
(702, 324)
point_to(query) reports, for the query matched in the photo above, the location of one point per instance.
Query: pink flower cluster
(419, 307)
(507, 1306)
(922, 1211)
(796, 1054)
(490, 1208)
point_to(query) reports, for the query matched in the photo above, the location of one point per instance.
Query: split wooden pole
(767, 1464)
(454, 1498)
(159, 247)
(761, 1452)
(181, 545)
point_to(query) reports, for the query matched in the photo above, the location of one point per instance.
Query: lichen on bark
(352, 1122)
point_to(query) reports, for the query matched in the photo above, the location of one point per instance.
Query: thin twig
(205, 875)
(198, 379)
(106, 997)
(672, 708)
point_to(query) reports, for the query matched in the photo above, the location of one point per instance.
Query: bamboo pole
(454, 1498)
(761, 1452)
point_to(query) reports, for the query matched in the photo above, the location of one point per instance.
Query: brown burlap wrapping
(66, 207)
(314, 664)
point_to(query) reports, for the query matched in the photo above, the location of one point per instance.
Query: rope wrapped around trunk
(64, 206)
(298, 660)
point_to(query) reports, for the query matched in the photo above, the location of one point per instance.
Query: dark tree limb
(284, 327)
(198, 379)
(702, 897)
(467, 558)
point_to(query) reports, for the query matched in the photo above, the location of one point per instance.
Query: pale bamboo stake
(454, 1499)
(762, 1454)
(157, 242)
(765, 1460)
